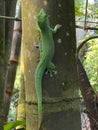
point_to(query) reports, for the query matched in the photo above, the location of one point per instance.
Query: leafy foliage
(79, 8)
(91, 62)
(12, 125)
(89, 53)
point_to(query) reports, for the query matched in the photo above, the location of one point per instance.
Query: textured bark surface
(21, 112)
(2, 63)
(14, 57)
(88, 95)
(10, 7)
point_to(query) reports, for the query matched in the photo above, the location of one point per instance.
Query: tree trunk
(2, 63)
(65, 83)
(21, 113)
(88, 95)
(10, 7)
(14, 58)
(60, 93)
(29, 36)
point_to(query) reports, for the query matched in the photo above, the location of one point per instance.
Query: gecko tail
(38, 85)
(39, 98)
(39, 112)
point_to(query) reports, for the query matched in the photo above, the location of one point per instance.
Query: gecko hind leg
(50, 69)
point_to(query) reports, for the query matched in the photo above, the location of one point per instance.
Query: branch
(86, 27)
(92, 117)
(86, 12)
(10, 18)
(82, 43)
(86, 21)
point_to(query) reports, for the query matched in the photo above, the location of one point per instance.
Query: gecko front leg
(58, 26)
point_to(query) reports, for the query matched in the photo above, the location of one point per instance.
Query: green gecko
(46, 55)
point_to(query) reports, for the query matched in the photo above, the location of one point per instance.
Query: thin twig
(92, 117)
(10, 18)
(86, 28)
(85, 13)
(86, 21)
(82, 43)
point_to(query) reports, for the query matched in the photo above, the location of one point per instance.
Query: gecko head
(42, 18)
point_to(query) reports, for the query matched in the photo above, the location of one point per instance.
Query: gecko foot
(51, 73)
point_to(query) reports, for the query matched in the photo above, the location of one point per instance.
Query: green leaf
(12, 125)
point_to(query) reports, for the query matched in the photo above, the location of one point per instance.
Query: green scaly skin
(46, 55)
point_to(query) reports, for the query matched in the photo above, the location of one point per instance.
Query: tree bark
(21, 113)
(65, 83)
(29, 36)
(14, 58)
(10, 8)
(2, 63)
(88, 95)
